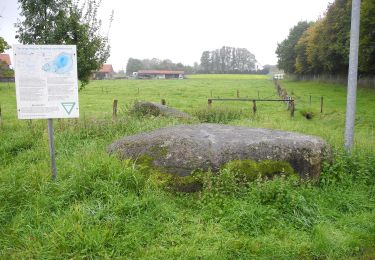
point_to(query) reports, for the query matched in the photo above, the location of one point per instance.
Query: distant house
(106, 72)
(6, 73)
(159, 74)
(278, 76)
(5, 60)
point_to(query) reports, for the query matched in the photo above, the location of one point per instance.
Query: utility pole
(352, 75)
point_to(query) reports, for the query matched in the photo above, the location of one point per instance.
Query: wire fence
(366, 82)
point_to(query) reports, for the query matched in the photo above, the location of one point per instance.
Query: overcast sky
(182, 30)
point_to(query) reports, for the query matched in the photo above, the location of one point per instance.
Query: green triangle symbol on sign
(68, 106)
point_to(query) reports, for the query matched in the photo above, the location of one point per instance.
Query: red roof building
(5, 59)
(160, 74)
(6, 74)
(106, 68)
(105, 72)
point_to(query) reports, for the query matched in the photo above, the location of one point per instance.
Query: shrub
(218, 115)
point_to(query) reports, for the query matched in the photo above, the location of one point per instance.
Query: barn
(5, 60)
(160, 74)
(6, 73)
(105, 72)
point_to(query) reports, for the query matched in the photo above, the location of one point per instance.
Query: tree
(228, 60)
(3, 45)
(334, 37)
(133, 65)
(205, 61)
(367, 38)
(324, 46)
(65, 22)
(286, 52)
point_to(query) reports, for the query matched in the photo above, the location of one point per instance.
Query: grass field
(102, 207)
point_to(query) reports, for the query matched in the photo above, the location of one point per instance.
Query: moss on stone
(243, 171)
(270, 168)
(158, 152)
(248, 170)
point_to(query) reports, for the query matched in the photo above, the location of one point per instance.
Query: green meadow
(101, 207)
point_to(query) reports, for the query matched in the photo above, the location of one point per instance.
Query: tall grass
(101, 207)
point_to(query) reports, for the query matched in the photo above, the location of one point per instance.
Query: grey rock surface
(155, 109)
(184, 148)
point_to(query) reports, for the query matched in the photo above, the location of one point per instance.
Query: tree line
(64, 22)
(228, 60)
(135, 65)
(322, 47)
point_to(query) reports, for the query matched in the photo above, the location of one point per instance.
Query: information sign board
(46, 81)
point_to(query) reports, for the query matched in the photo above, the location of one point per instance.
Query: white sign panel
(46, 81)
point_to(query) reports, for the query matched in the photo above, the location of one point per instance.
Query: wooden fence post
(310, 100)
(209, 102)
(238, 93)
(292, 108)
(254, 107)
(114, 112)
(163, 102)
(321, 104)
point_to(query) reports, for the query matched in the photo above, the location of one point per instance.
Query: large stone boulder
(181, 149)
(155, 109)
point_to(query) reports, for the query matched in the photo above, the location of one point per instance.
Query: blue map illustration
(63, 63)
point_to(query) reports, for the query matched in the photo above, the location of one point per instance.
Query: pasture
(106, 208)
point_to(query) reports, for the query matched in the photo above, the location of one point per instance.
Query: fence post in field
(163, 102)
(114, 112)
(321, 104)
(138, 91)
(209, 103)
(310, 96)
(238, 93)
(254, 107)
(292, 108)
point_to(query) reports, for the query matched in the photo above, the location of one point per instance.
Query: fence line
(367, 82)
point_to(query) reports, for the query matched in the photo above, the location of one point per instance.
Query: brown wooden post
(321, 104)
(209, 102)
(292, 108)
(254, 107)
(114, 112)
(163, 102)
(238, 93)
(310, 100)
(138, 91)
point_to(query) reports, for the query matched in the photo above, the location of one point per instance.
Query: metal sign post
(352, 77)
(46, 85)
(52, 152)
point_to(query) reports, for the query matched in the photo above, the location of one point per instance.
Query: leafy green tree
(286, 51)
(367, 38)
(324, 46)
(228, 60)
(3, 45)
(65, 22)
(334, 38)
(307, 60)
(205, 61)
(133, 65)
